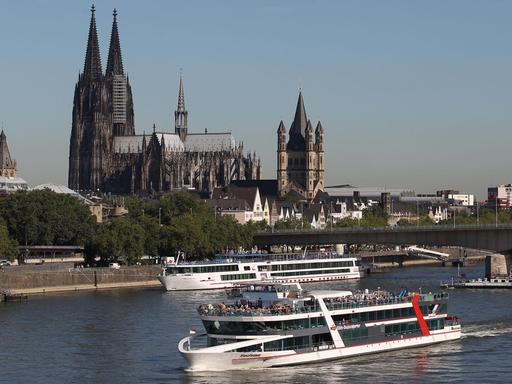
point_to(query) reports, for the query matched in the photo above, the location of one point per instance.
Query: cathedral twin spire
(92, 65)
(115, 60)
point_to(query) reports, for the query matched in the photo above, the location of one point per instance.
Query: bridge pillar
(497, 265)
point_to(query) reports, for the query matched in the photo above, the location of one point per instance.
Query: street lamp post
(331, 216)
(496, 209)
(301, 215)
(417, 213)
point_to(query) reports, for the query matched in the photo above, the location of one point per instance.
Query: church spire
(181, 114)
(115, 60)
(298, 127)
(181, 97)
(92, 65)
(300, 121)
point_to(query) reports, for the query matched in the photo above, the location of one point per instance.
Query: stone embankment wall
(23, 278)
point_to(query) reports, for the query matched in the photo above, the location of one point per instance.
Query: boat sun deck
(286, 299)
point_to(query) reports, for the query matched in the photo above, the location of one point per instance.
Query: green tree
(347, 222)
(292, 223)
(151, 234)
(374, 216)
(43, 217)
(423, 220)
(8, 247)
(120, 240)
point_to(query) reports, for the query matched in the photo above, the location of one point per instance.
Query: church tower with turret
(102, 109)
(300, 161)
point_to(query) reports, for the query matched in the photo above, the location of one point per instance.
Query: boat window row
(354, 335)
(412, 327)
(387, 314)
(289, 267)
(395, 330)
(301, 343)
(238, 276)
(355, 318)
(203, 269)
(315, 272)
(260, 327)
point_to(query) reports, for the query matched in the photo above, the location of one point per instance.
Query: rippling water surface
(131, 336)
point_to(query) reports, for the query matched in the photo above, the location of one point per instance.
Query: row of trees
(175, 222)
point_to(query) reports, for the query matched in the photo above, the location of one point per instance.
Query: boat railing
(332, 304)
(248, 310)
(259, 257)
(350, 302)
(278, 309)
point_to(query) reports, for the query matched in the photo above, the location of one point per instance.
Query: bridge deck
(488, 237)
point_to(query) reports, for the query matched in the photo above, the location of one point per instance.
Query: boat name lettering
(352, 326)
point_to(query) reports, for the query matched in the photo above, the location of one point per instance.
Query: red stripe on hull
(421, 320)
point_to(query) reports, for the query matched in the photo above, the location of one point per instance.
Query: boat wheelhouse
(270, 325)
(233, 270)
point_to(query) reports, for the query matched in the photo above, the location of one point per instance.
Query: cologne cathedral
(106, 155)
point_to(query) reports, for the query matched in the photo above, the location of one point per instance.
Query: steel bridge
(496, 238)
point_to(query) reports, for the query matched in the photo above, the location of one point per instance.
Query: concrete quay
(86, 287)
(31, 281)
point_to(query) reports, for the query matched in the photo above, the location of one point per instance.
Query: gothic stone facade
(300, 161)
(105, 153)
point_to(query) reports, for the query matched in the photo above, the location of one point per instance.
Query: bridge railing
(432, 228)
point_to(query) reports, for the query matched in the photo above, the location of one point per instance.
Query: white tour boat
(233, 270)
(271, 325)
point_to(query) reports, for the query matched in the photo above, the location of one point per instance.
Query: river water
(131, 336)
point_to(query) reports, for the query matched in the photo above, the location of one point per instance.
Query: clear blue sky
(410, 93)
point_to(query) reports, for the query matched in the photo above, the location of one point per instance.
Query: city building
(105, 153)
(300, 160)
(499, 197)
(466, 200)
(244, 204)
